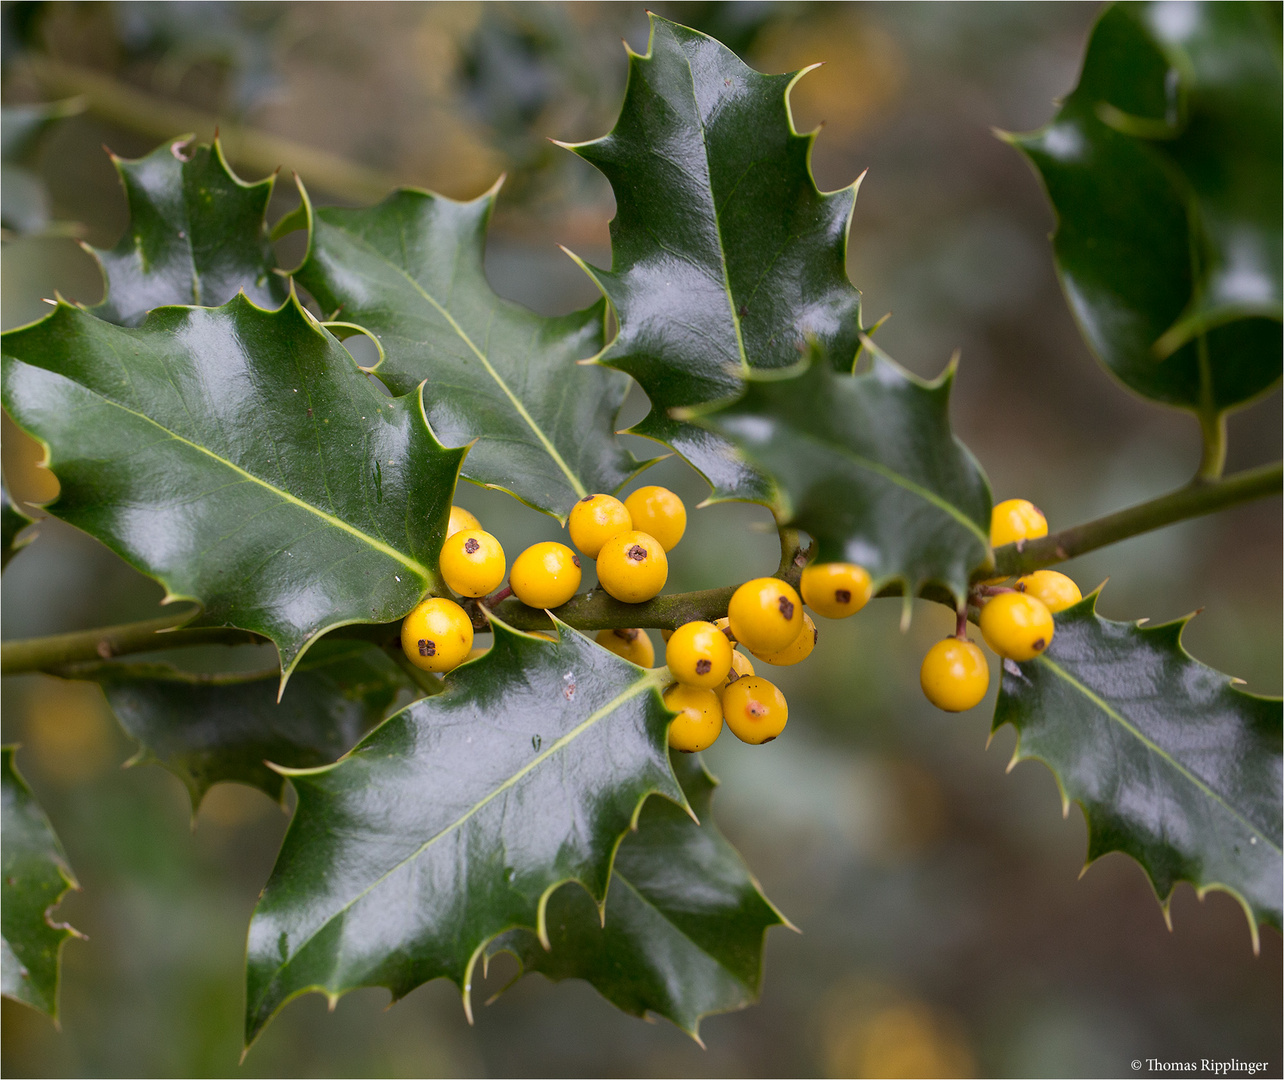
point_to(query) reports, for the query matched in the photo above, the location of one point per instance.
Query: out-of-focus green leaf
(1171, 763)
(410, 272)
(241, 458)
(21, 126)
(36, 877)
(12, 522)
(1164, 168)
(726, 258)
(196, 236)
(685, 920)
(211, 728)
(867, 464)
(24, 203)
(456, 819)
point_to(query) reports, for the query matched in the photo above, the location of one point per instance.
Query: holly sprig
(296, 504)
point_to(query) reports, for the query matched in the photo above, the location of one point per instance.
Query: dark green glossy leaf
(1164, 168)
(867, 464)
(12, 522)
(410, 272)
(36, 877)
(685, 920)
(240, 457)
(196, 236)
(210, 728)
(1171, 763)
(456, 819)
(1227, 144)
(725, 258)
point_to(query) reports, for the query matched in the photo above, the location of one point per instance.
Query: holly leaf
(726, 258)
(685, 920)
(1171, 763)
(24, 202)
(499, 376)
(867, 464)
(241, 458)
(456, 819)
(1163, 167)
(196, 236)
(12, 522)
(225, 727)
(36, 877)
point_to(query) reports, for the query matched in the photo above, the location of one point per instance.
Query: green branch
(596, 610)
(60, 650)
(1194, 500)
(158, 118)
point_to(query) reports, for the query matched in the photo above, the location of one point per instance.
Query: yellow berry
(658, 512)
(741, 666)
(1016, 519)
(543, 634)
(476, 651)
(461, 519)
(594, 520)
(437, 635)
(545, 575)
(754, 709)
(699, 720)
(765, 615)
(634, 645)
(835, 590)
(797, 650)
(1016, 625)
(632, 567)
(472, 562)
(954, 675)
(698, 654)
(1056, 591)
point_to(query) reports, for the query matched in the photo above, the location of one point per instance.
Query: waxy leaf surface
(36, 877)
(1164, 169)
(240, 457)
(196, 235)
(1171, 763)
(211, 728)
(410, 271)
(685, 920)
(455, 819)
(725, 257)
(867, 464)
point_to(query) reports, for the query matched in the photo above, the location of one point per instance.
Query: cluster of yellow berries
(1015, 622)
(713, 682)
(630, 540)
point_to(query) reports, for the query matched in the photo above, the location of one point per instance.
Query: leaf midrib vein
(717, 223)
(330, 519)
(1155, 748)
(902, 482)
(576, 483)
(643, 684)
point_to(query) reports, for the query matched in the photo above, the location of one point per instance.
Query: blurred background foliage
(946, 931)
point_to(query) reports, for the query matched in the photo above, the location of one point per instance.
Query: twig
(1194, 500)
(256, 150)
